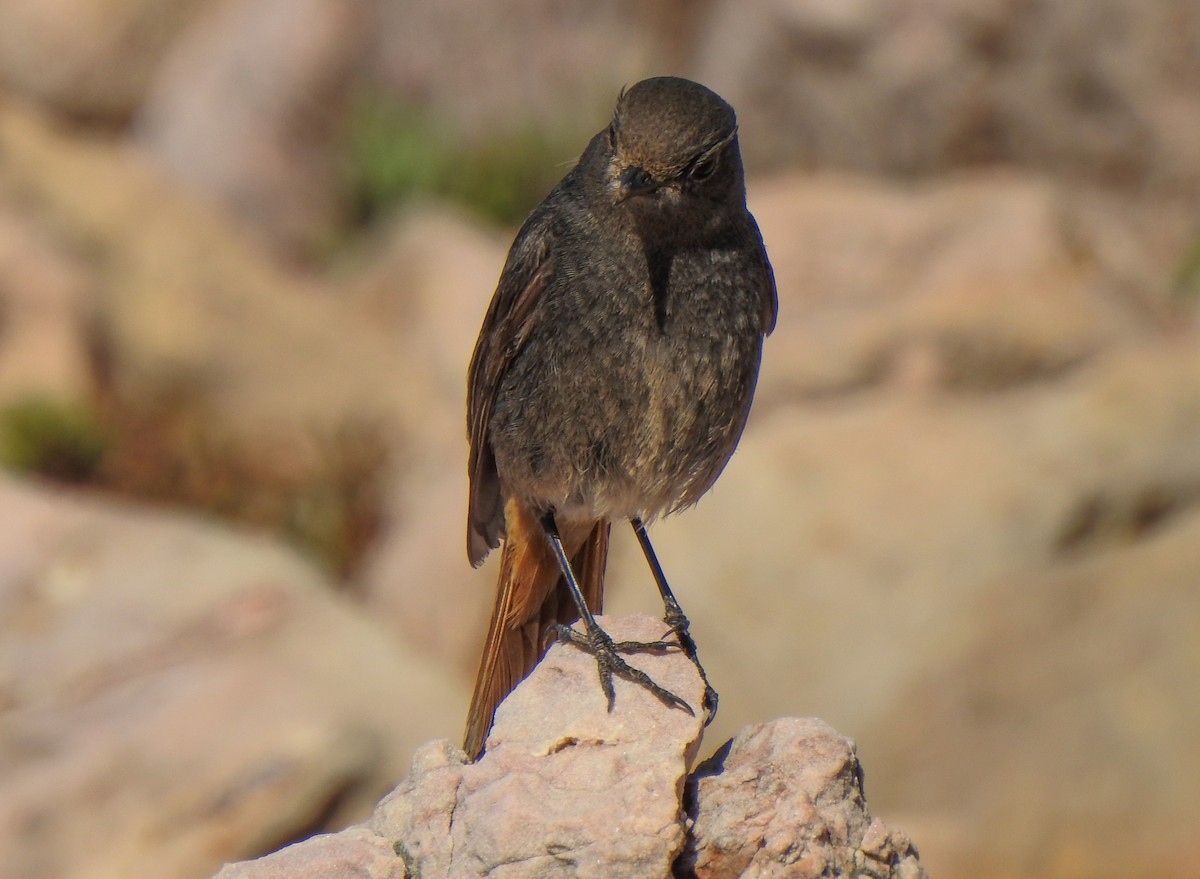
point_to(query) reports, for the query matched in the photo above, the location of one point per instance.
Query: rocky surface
(1102, 90)
(1069, 679)
(46, 315)
(786, 799)
(245, 99)
(191, 306)
(967, 285)
(248, 109)
(1008, 532)
(172, 693)
(568, 788)
(91, 59)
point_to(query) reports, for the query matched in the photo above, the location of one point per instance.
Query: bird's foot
(597, 642)
(674, 617)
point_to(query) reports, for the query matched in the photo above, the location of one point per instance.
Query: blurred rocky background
(245, 247)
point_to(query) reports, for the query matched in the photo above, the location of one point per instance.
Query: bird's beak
(635, 181)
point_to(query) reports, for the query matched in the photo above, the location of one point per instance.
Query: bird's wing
(770, 294)
(506, 326)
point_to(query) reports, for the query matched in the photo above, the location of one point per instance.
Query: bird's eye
(704, 168)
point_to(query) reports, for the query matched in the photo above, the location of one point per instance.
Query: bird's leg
(597, 642)
(674, 617)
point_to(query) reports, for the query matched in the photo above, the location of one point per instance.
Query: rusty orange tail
(531, 596)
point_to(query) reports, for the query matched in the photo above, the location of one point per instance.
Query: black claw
(674, 617)
(709, 702)
(679, 628)
(608, 662)
(606, 684)
(645, 646)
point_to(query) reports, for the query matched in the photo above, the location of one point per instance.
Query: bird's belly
(639, 430)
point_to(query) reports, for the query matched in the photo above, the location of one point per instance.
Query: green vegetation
(321, 493)
(395, 154)
(1187, 275)
(44, 437)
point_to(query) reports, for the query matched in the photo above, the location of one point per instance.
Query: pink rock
(785, 799)
(247, 107)
(351, 854)
(565, 787)
(568, 788)
(174, 695)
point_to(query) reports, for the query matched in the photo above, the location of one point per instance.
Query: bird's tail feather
(531, 596)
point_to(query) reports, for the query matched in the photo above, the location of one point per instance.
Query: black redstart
(613, 374)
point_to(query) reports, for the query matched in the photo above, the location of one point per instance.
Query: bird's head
(672, 145)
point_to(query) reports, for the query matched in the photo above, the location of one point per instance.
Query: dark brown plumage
(614, 370)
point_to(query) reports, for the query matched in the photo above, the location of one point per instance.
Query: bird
(612, 377)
